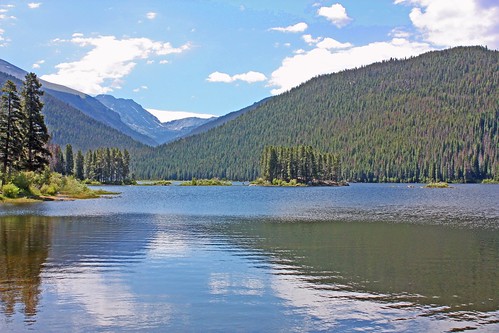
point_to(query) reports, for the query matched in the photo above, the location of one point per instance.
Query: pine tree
(69, 160)
(35, 130)
(126, 165)
(11, 119)
(59, 160)
(79, 163)
(89, 166)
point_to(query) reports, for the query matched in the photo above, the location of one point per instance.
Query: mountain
(67, 124)
(82, 102)
(223, 119)
(434, 116)
(143, 122)
(123, 115)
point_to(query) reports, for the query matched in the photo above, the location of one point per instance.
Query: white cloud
(136, 90)
(3, 12)
(3, 41)
(454, 23)
(166, 116)
(37, 64)
(310, 40)
(298, 27)
(249, 77)
(301, 67)
(219, 77)
(329, 43)
(337, 14)
(151, 15)
(34, 5)
(325, 43)
(163, 62)
(108, 61)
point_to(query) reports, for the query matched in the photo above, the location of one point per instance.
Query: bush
(49, 189)
(34, 190)
(10, 191)
(73, 187)
(23, 180)
(29, 183)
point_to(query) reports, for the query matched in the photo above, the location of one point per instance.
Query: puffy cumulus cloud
(298, 27)
(249, 77)
(337, 14)
(311, 40)
(454, 23)
(151, 15)
(301, 67)
(102, 69)
(34, 5)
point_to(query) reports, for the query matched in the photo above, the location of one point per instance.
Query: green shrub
(10, 191)
(49, 189)
(74, 188)
(23, 180)
(34, 190)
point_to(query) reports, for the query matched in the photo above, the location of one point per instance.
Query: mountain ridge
(80, 101)
(67, 124)
(143, 127)
(142, 121)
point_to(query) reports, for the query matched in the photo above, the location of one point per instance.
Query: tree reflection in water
(24, 247)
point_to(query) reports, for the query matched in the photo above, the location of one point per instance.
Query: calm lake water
(364, 258)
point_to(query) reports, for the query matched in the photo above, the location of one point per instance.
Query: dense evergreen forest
(300, 163)
(431, 117)
(103, 165)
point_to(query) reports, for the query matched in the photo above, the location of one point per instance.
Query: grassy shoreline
(91, 194)
(27, 187)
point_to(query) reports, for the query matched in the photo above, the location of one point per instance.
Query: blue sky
(218, 56)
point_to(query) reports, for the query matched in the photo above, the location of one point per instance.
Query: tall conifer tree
(11, 118)
(36, 134)
(79, 163)
(69, 160)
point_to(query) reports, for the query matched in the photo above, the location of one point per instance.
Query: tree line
(23, 133)
(302, 163)
(103, 165)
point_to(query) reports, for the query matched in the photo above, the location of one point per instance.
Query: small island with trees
(298, 166)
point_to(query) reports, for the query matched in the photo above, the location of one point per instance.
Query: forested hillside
(69, 125)
(434, 116)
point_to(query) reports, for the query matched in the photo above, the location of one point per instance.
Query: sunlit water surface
(364, 258)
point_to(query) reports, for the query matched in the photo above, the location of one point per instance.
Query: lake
(363, 258)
